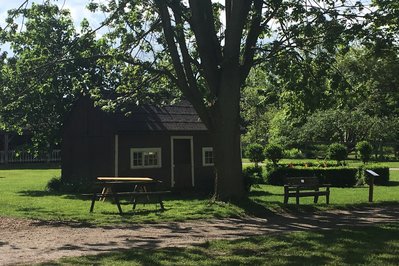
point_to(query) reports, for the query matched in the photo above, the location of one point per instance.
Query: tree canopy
(201, 49)
(45, 72)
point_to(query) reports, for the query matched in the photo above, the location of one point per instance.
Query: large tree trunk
(229, 183)
(223, 73)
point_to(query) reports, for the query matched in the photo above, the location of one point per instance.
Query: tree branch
(254, 31)
(194, 96)
(234, 31)
(186, 58)
(210, 52)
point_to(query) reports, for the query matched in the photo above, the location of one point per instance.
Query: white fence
(26, 157)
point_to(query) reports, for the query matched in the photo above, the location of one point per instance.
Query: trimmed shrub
(252, 175)
(80, 185)
(274, 153)
(338, 152)
(381, 170)
(336, 176)
(321, 164)
(54, 184)
(255, 153)
(294, 153)
(365, 150)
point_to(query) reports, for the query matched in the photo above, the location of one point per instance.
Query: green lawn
(23, 195)
(375, 245)
(271, 197)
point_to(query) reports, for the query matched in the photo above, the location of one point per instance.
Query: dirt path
(27, 241)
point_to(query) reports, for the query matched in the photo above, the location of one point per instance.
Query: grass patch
(271, 197)
(23, 195)
(373, 245)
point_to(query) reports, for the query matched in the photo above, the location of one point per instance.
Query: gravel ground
(30, 241)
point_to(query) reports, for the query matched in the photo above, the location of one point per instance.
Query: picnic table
(140, 183)
(111, 188)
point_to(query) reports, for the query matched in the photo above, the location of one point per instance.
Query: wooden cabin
(168, 143)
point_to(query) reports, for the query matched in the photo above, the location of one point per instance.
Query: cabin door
(182, 162)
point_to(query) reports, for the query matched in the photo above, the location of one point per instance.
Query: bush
(54, 185)
(57, 184)
(336, 176)
(294, 153)
(315, 151)
(252, 175)
(365, 150)
(381, 170)
(338, 152)
(322, 164)
(274, 153)
(255, 153)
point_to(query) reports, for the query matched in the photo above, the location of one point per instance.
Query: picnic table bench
(110, 189)
(305, 187)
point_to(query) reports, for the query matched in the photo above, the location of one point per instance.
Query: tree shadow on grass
(393, 183)
(142, 256)
(38, 193)
(254, 208)
(349, 245)
(44, 193)
(261, 193)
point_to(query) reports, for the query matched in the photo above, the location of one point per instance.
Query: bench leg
(316, 199)
(328, 198)
(134, 203)
(118, 204)
(93, 200)
(161, 203)
(285, 195)
(297, 196)
(106, 190)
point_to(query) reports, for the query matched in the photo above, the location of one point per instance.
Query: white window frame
(159, 159)
(204, 150)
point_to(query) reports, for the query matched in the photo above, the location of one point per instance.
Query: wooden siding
(88, 144)
(88, 148)
(203, 176)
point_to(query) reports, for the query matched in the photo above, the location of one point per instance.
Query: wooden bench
(134, 196)
(305, 187)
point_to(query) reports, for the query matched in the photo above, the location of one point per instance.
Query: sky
(77, 8)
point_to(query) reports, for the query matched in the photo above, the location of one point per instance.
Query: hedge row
(381, 170)
(310, 164)
(336, 176)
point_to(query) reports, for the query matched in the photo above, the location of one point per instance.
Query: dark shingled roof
(178, 117)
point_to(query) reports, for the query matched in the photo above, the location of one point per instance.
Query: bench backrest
(304, 181)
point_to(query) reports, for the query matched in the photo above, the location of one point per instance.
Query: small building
(168, 143)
